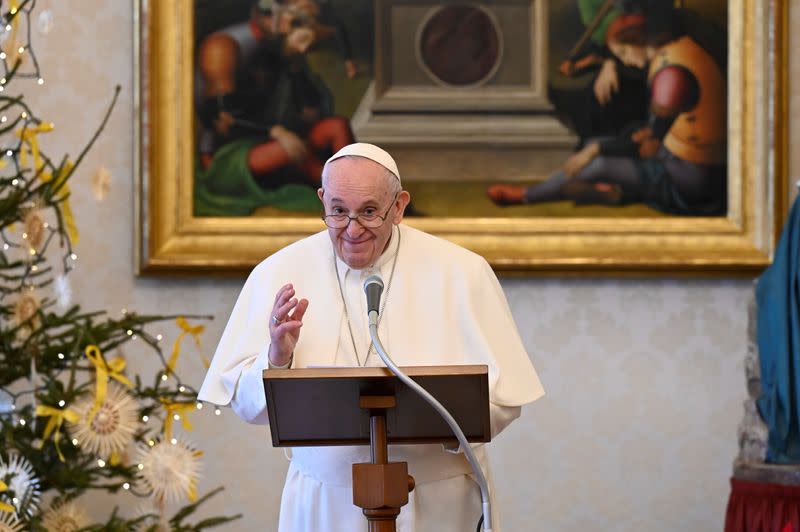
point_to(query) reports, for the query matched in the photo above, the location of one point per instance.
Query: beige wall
(644, 377)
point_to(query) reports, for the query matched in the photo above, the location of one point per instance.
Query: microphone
(373, 287)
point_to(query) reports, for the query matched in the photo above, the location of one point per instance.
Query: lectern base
(380, 488)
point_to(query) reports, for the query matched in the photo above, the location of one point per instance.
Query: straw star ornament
(169, 469)
(65, 517)
(109, 430)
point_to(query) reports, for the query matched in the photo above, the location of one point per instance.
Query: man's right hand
(223, 123)
(607, 82)
(284, 325)
(566, 68)
(290, 142)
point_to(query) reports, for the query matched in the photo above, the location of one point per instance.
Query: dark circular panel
(460, 45)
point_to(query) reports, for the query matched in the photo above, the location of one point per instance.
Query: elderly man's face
(356, 185)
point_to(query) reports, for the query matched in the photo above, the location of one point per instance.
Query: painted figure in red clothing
(676, 162)
(266, 121)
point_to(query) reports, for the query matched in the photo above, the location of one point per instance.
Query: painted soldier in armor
(266, 120)
(676, 163)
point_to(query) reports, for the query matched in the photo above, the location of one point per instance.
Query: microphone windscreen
(373, 279)
(373, 287)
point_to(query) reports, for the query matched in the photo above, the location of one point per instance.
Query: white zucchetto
(371, 152)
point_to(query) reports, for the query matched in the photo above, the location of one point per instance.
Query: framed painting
(550, 136)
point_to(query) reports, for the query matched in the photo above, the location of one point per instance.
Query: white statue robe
(443, 305)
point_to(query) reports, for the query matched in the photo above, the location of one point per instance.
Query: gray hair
(392, 180)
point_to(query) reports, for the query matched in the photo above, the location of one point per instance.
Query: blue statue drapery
(778, 299)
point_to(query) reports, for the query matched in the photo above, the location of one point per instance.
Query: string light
(61, 356)
(182, 388)
(174, 441)
(24, 114)
(151, 443)
(199, 406)
(126, 486)
(75, 442)
(22, 421)
(145, 418)
(164, 377)
(140, 466)
(73, 256)
(217, 411)
(61, 403)
(159, 337)
(40, 81)
(101, 462)
(176, 417)
(130, 332)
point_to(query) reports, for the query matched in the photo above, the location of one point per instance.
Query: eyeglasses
(368, 218)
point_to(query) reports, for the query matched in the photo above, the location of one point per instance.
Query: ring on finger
(275, 320)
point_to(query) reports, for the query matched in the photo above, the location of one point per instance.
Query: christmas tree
(72, 420)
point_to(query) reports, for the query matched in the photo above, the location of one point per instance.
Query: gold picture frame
(171, 239)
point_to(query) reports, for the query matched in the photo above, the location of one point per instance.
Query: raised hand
(284, 325)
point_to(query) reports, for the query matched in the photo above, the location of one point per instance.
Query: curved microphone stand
(462, 440)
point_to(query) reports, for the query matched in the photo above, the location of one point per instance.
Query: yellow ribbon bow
(30, 138)
(3, 506)
(113, 369)
(57, 417)
(195, 331)
(182, 410)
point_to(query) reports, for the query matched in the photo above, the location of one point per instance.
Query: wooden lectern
(370, 406)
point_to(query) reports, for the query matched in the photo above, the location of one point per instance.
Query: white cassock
(443, 305)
